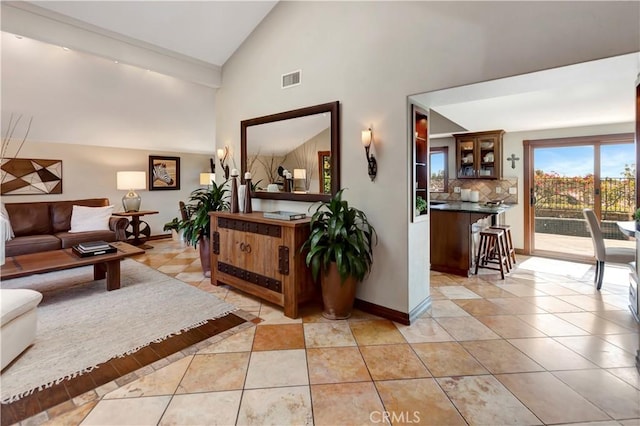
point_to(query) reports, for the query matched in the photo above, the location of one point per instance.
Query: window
(438, 160)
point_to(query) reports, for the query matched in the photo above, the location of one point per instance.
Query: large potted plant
(195, 229)
(339, 253)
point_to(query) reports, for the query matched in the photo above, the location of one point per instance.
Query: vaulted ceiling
(209, 31)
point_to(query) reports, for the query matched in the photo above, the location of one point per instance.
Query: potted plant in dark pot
(339, 253)
(196, 228)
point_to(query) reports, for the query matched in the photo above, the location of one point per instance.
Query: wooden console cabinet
(262, 257)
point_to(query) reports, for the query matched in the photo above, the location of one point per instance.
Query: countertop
(458, 206)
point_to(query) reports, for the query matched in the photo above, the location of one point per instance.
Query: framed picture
(164, 173)
(28, 176)
(324, 171)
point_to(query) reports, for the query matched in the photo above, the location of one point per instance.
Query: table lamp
(130, 181)
(207, 178)
(301, 174)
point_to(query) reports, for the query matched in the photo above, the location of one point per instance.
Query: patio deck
(574, 246)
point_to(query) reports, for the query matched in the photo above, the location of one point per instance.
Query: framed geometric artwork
(164, 173)
(25, 176)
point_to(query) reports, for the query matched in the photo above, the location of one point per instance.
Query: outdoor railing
(567, 196)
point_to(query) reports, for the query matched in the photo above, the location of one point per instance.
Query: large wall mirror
(304, 142)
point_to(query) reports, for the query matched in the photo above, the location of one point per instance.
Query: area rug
(81, 325)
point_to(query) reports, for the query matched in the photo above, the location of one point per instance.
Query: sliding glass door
(566, 176)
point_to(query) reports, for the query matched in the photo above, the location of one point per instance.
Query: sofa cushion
(61, 211)
(15, 302)
(29, 218)
(7, 231)
(85, 219)
(70, 239)
(31, 244)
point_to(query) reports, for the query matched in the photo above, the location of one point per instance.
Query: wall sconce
(130, 181)
(367, 138)
(223, 154)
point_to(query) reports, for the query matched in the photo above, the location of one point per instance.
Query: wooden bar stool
(492, 250)
(511, 251)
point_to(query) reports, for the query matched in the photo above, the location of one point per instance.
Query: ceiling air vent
(291, 79)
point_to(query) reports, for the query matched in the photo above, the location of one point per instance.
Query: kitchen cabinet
(262, 257)
(479, 155)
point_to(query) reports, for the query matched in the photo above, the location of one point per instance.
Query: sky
(578, 160)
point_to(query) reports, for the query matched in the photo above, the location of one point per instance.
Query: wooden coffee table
(104, 265)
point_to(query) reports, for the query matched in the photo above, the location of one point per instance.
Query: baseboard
(419, 310)
(381, 311)
(159, 237)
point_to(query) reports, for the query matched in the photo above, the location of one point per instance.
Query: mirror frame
(331, 107)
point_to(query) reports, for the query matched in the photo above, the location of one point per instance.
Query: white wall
(99, 117)
(83, 99)
(90, 172)
(370, 56)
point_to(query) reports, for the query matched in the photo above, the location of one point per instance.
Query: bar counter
(455, 229)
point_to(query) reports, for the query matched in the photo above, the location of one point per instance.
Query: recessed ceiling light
(116, 62)
(19, 37)
(65, 48)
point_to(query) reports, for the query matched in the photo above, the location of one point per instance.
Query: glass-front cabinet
(421, 161)
(479, 155)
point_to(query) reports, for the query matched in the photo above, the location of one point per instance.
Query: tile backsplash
(486, 188)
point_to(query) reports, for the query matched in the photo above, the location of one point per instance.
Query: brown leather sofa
(43, 226)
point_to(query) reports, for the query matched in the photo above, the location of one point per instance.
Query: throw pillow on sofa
(7, 230)
(85, 219)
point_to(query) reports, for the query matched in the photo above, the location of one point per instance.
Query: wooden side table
(138, 227)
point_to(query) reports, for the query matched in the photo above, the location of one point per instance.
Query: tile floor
(540, 347)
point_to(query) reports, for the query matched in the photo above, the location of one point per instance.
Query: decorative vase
(337, 296)
(247, 197)
(234, 195)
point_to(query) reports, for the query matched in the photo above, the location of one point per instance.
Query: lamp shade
(207, 178)
(299, 174)
(131, 180)
(366, 137)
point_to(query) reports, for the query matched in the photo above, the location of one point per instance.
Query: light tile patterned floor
(541, 347)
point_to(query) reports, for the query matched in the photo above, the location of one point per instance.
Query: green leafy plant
(421, 204)
(636, 215)
(341, 234)
(174, 225)
(201, 202)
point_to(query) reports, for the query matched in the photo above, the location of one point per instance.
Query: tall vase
(247, 197)
(234, 196)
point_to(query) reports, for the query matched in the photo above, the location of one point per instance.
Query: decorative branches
(270, 165)
(251, 160)
(305, 157)
(8, 136)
